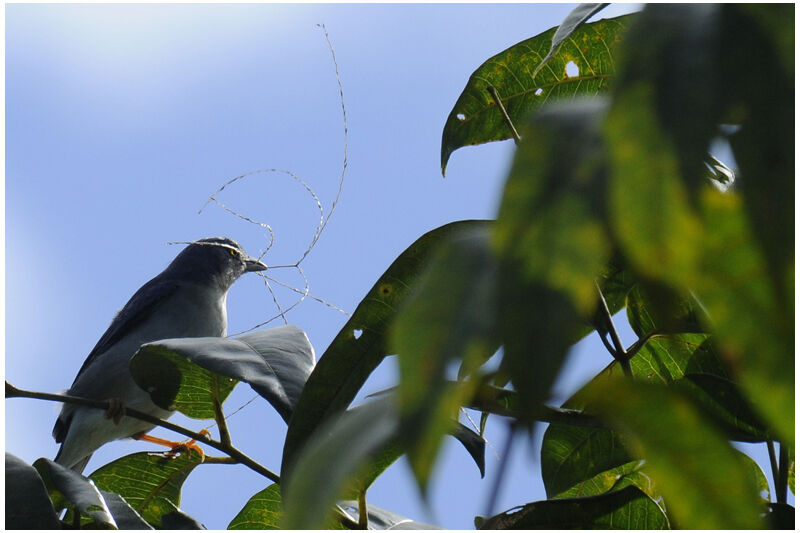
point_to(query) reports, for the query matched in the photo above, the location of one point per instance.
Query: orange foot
(188, 446)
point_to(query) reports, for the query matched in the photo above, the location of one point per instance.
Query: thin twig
(506, 118)
(363, 515)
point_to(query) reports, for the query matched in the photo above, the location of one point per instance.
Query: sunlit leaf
(450, 315)
(262, 511)
(475, 119)
(362, 343)
(124, 515)
(576, 17)
(754, 333)
(702, 479)
(551, 244)
(340, 449)
(628, 508)
(150, 482)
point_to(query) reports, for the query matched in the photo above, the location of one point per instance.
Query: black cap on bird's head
(214, 259)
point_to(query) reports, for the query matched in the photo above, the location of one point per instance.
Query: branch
(13, 392)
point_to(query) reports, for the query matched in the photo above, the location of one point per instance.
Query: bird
(187, 299)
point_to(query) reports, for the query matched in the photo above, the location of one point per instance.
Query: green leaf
(124, 515)
(475, 118)
(551, 244)
(275, 362)
(720, 399)
(338, 453)
(702, 479)
(675, 51)
(151, 483)
(573, 456)
(655, 308)
(362, 343)
(78, 492)
(450, 315)
(650, 213)
(791, 469)
(262, 511)
(576, 17)
(628, 508)
(175, 383)
(28, 505)
(754, 332)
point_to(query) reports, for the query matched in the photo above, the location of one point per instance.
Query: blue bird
(187, 299)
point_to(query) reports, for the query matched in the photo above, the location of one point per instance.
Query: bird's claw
(116, 410)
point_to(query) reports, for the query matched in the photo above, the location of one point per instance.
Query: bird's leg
(175, 446)
(116, 410)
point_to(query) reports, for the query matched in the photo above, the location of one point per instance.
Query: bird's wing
(140, 306)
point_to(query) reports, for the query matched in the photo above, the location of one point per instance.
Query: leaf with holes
(363, 341)
(150, 483)
(192, 373)
(582, 66)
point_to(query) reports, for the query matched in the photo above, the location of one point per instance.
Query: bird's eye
(232, 252)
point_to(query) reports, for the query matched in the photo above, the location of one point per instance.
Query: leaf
(475, 118)
(361, 344)
(655, 308)
(551, 244)
(473, 443)
(650, 213)
(791, 469)
(275, 362)
(262, 511)
(449, 315)
(720, 399)
(28, 505)
(754, 332)
(576, 17)
(78, 492)
(174, 518)
(571, 456)
(702, 479)
(628, 508)
(669, 72)
(341, 447)
(124, 515)
(150, 483)
(379, 518)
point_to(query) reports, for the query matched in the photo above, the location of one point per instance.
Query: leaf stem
(219, 416)
(363, 517)
(506, 118)
(773, 464)
(618, 352)
(783, 474)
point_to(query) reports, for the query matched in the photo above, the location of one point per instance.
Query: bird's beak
(254, 265)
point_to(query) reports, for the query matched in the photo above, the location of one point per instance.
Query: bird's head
(215, 260)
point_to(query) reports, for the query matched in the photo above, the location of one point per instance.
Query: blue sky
(121, 120)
